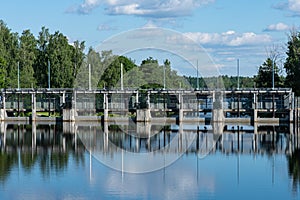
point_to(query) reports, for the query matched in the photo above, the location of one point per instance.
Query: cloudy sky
(227, 29)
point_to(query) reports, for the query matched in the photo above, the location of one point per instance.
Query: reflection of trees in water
(7, 162)
(294, 167)
(28, 160)
(49, 157)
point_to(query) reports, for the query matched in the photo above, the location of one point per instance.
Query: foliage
(112, 74)
(9, 55)
(3, 73)
(264, 76)
(33, 55)
(27, 55)
(292, 64)
(229, 82)
(69, 66)
(151, 75)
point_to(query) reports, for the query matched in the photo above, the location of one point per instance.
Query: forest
(50, 60)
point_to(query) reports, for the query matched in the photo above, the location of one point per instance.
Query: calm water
(169, 162)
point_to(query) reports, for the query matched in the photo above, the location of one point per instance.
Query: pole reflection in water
(237, 156)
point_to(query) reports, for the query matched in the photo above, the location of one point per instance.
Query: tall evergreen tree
(264, 76)
(292, 64)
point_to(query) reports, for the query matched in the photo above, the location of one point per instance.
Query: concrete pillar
(69, 115)
(255, 128)
(74, 100)
(105, 106)
(3, 126)
(292, 108)
(143, 115)
(291, 116)
(64, 98)
(137, 98)
(33, 106)
(218, 112)
(3, 114)
(218, 127)
(180, 99)
(148, 106)
(69, 127)
(254, 107)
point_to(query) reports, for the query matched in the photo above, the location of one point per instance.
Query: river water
(148, 161)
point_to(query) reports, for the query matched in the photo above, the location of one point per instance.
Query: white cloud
(229, 38)
(105, 27)
(277, 27)
(294, 5)
(146, 8)
(290, 5)
(86, 7)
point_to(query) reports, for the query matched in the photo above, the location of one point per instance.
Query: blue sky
(227, 29)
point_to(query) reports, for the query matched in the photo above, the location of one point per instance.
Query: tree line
(30, 58)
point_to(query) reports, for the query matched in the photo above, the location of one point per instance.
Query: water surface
(45, 162)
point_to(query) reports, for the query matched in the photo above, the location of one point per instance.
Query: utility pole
(49, 86)
(273, 74)
(197, 76)
(18, 75)
(164, 76)
(90, 82)
(122, 86)
(238, 74)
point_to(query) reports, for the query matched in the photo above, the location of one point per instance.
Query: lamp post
(122, 81)
(164, 76)
(18, 75)
(90, 82)
(238, 74)
(49, 84)
(197, 76)
(273, 74)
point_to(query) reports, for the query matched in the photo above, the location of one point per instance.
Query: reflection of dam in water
(144, 137)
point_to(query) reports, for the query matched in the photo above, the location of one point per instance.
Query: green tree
(264, 76)
(112, 74)
(60, 54)
(9, 54)
(77, 57)
(292, 63)
(152, 73)
(64, 59)
(27, 55)
(3, 73)
(41, 62)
